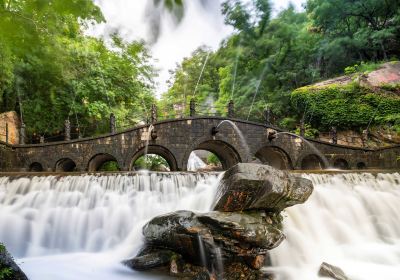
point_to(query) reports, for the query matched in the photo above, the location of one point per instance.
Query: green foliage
(364, 67)
(110, 166)
(266, 59)
(212, 159)
(288, 123)
(349, 106)
(151, 162)
(5, 272)
(309, 131)
(51, 71)
(351, 69)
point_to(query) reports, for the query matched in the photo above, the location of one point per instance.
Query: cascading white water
(81, 227)
(351, 221)
(78, 227)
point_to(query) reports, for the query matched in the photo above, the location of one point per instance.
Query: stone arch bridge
(174, 140)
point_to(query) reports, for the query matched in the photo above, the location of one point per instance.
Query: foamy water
(81, 227)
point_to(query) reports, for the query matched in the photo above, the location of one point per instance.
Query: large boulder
(246, 235)
(9, 270)
(249, 186)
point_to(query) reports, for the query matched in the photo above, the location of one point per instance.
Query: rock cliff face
(231, 242)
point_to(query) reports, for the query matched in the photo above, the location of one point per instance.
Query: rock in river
(249, 186)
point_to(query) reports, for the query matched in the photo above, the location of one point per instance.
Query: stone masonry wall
(13, 121)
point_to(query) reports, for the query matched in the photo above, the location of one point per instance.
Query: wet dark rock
(236, 234)
(9, 270)
(331, 271)
(249, 186)
(150, 259)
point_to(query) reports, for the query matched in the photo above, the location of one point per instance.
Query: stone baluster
(41, 139)
(267, 116)
(192, 108)
(231, 109)
(112, 123)
(22, 134)
(334, 135)
(153, 113)
(67, 130)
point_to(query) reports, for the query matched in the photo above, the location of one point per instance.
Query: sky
(203, 24)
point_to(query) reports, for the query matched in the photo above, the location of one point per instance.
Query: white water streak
(351, 221)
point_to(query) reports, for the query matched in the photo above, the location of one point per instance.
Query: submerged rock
(9, 270)
(331, 271)
(249, 186)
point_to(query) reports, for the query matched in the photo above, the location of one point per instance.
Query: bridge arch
(98, 160)
(225, 152)
(275, 157)
(65, 165)
(361, 165)
(312, 162)
(36, 167)
(156, 150)
(342, 164)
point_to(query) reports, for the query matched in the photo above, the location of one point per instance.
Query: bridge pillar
(112, 123)
(22, 134)
(231, 109)
(334, 134)
(67, 130)
(364, 137)
(192, 108)
(41, 139)
(6, 132)
(267, 115)
(153, 113)
(302, 127)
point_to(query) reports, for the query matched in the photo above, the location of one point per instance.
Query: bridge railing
(114, 125)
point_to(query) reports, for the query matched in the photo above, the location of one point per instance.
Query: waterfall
(81, 227)
(351, 221)
(195, 163)
(77, 227)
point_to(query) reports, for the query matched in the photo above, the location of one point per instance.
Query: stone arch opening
(36, 167)
(103, 162)
(225, 153)
(361, 165)
(202, 160)
(312, 162)
(65, 165)
(275, 157)
(341, 164)
(156, 158)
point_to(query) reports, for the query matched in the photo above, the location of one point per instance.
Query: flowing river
(81, 227)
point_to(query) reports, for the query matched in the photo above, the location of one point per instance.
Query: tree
(51, 71)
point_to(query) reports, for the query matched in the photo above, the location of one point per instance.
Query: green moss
(391, 87)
